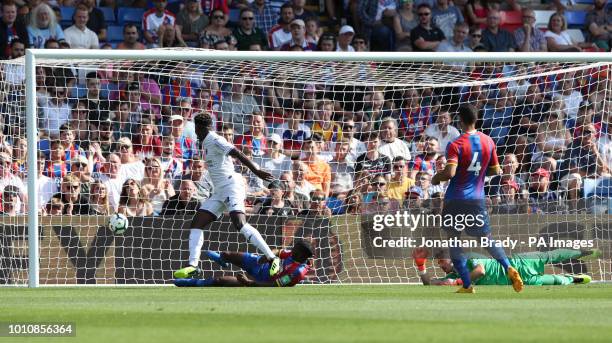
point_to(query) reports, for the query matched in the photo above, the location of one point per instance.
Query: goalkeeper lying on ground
(294, 267)
(487, 271)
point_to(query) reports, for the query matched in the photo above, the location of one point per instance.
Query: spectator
(11, 29)
(425, 36)
(80, 167)
(200, 178)
(265, 16)
(342, 169)
(319, 172)
(55, 111)
(345, 36)
(67, 138)
(541, 198)
(552, 138)
(391, 145)
(423, 185)
(372, 162)
(377, 200)
(571, 96)
(313, 30)
(255, 138)
(154, 183)
(172, 167)
(185, 110)
(581, 160)
(12, 204)
(43, 26)
(557, 38)
(131, 201)
(110, 177)
(527, 37)
(293, 132)
(97, 105)
(227, 132)
(377, 19)
(131, 39)
(70, 194)
(495, 38)
(360, 43)
(475, 38)
(299, 11)
(476, 11)
(238, 107)
(56, 167)
(497, 116)
(184, 147)
(276, 205)
(324, 123)
(510, 199)
(99, 199)
(400, 183)
(7, 177)
(446, 16)
(190, 22)
(105, 139)
(55, 207)
(96, 22)
(274, 161)
(599, 25)
(414, 118)
(404, 21)
(79, 121)
(280, 34)
(170, 38)
(131, 166)
(146, 143)
(78, 35)
(509, 177)
(184, 202)
(247, 34)
(442, 130)
(427, 161)
(317, 207)
(254, 185)
(155, 21)
(327, 42)
(216, 31)
(298, 37)
(528, 114)
(456, 44)
(356, 147)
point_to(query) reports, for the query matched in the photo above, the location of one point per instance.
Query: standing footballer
(469, 158)
(229, 194)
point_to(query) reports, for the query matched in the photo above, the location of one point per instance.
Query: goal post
(350, 85)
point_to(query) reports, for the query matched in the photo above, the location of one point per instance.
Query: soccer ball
(118, 223)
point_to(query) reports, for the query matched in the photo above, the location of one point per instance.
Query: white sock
(196, 240)
(254, 237)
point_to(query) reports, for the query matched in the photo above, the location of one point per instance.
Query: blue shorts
(459, 210)
(250, 264)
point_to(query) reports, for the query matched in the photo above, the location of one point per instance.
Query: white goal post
(389, 76)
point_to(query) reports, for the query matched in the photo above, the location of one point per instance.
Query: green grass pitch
(393, 313)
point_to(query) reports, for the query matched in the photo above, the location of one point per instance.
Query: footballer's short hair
(203, 119)
(303, 249)
(468, 114)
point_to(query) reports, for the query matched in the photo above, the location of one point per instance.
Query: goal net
(353, 146)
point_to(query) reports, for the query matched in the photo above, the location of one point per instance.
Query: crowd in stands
(120, 141)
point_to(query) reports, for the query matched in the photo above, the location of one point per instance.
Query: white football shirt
(220, 164)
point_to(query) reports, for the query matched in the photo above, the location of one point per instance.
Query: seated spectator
(509, 167)
(427, 161)
(360, 43)
(404, 21)
(414, 117)
(98, 104)
(45, 186)
(247, 33)
(155, 21)
(313, 30)
(293, 132)
(510, 199)
(494, 38)
(80, 166)
(425, 36)
(55, 207)
(446, 16)
(112, 180)
(400, 182)
(552, 138)
(7, 177)
(254, 185)
(55, 111)
(265, 16)
(476, 11)
(497, 117)
(274, 161)
(527, 37)
(56, 166)
(442, 130)
(295, 200)
(67, 139)
(238, 107)
(377, 201)
(131, 39)
(423, 185)
(70, 194)
(184, 147)
(317, 206)
(280, 33)
(105, 139)
(79, 122)
(342, 169)
(327, 42)
(99, 199)
(599, 25)
(456, 44)
(216, 31)
(43, 26)
(345, 37)
(557, 38)
(571, 97)
(372, 161)
(200, 178)
(132, 202)
(356, 147)
(298, 37)
(156, 185)
(184, 202)
(190, 22)
(96, 22)
(376, 18)
(476, 38)
(131, 166)
(276, 205)
(255, 138)
(169, 37)
(299, 11)
(324, 123)
(541, 198)
(11, 29)
(12, 204)
(319, 172)
(391, 145)
(146, 143)
(78, 35)
(171, 166)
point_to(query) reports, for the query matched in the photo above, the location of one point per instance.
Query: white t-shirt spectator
(572, 103)
(443, 140)
(397, 148)
(278, 37)
(562, 39)
(81, 39)
(151, 22)
(275, 166)
(134, 170)
(45, 187)
(113, 187)
(385, 5)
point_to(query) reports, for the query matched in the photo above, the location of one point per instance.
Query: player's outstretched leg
(254, 237)
(589, 255)
(216, 256)
(196, 239)
(580, 279)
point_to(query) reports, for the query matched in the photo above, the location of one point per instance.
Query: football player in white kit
(229, 194)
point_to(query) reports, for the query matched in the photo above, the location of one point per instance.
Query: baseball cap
(298, 22)
(416, 191)
(346, 29)
(541, 172)
(176, 117)
(276, 138)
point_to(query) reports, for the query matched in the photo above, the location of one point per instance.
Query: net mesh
(118, 136)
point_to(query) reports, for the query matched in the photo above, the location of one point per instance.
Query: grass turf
(393, 313)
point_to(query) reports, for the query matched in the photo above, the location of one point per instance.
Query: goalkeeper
(487, 271)
(294, 267)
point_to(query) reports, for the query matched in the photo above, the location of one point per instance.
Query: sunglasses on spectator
(124, 146)
(588, 132)
(476, 35)
(359, 42)
(318, 199)
(424, 179)
(218, 17)
(398, 167)
(349, 127)
(380, 184)
(73, 187)
(79, 165)
(247, 18)
(424, 14)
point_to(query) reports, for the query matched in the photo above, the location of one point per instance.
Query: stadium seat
(234, 17)
(109, 14)
(67, 13)
(575, 19)
(542, 18)
(129, 15)
(114, 33)
(511, 20)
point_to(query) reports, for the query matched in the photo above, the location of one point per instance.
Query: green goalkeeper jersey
(494, 272)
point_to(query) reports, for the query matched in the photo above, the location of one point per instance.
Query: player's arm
(444, 175)
(262, 174)
(494, 168)
(478, 272)
(244, 280)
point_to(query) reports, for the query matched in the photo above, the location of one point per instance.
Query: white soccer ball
(118, 223)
